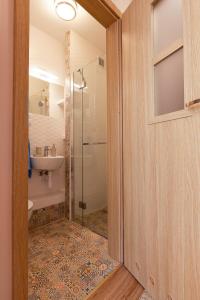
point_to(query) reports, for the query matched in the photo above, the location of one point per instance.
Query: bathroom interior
(67, 143)
(151, 52)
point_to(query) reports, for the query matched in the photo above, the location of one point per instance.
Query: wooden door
(161, 156)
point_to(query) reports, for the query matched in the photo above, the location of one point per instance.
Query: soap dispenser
(53, 150)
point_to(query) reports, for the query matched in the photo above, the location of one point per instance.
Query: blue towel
(29, 161)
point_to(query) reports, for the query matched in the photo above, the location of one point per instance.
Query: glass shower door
(77, 172)
(92, 165)
(94, 148)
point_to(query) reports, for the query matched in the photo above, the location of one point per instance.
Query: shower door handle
(93, 144)
(192, 103)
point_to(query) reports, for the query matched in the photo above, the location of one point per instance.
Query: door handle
(94, 144)
(192, 103)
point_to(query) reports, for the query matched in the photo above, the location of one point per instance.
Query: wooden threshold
(121, 285)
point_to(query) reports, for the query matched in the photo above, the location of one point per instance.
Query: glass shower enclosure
(89, 205)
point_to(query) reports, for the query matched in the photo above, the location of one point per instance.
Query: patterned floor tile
(97, 222)
(66, 261)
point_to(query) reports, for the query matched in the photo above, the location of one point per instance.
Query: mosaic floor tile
(47, 215)
(66, 261)
(97, 222)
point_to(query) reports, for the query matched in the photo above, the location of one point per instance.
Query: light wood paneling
(103, 11)
(121, 285)
(115, 202)
(111, 5)
(161, 166)
(192, 148)
(170, 181)
(134, 141)
(193, 40)
(20, 150)
(192, 208)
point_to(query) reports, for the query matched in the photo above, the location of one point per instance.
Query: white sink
(49, 163)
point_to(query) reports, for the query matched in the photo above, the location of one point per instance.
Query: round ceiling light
(66, 9)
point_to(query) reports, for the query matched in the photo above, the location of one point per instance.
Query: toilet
(30, 209)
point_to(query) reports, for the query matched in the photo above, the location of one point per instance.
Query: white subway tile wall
(46, 131)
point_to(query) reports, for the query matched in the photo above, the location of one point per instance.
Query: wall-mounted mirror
(38, 96)
(45, 98)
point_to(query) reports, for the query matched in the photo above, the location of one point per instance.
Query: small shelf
(61, 102)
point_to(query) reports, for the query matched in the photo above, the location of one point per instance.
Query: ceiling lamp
(66, 9)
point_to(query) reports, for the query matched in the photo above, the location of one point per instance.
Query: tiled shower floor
(66, 261)
(97, 222)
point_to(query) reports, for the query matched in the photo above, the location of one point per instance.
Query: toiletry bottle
(53, 150)
(38, 151)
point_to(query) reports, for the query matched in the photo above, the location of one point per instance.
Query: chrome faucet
(46, 151)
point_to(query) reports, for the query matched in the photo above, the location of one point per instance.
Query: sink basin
(49, 163)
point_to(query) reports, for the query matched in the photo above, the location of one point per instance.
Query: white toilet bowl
(30, 209)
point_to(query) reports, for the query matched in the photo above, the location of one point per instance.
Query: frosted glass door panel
(168, 24)
(169, 84)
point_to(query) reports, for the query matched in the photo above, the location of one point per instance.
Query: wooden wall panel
(192, 148)
(169, 198)
(192, 208)
(134, 141)
(161, 166)
(115, 205)
(193, 41)
(20, 150)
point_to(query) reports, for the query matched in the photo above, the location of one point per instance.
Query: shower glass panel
(77, 173)
(90, 143)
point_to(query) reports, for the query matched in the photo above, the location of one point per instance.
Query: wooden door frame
(109, 16)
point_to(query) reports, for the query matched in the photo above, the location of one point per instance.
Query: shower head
(40, 103)
(84, 82)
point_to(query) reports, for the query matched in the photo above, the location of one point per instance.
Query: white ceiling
(43, 16)
(122, 4)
